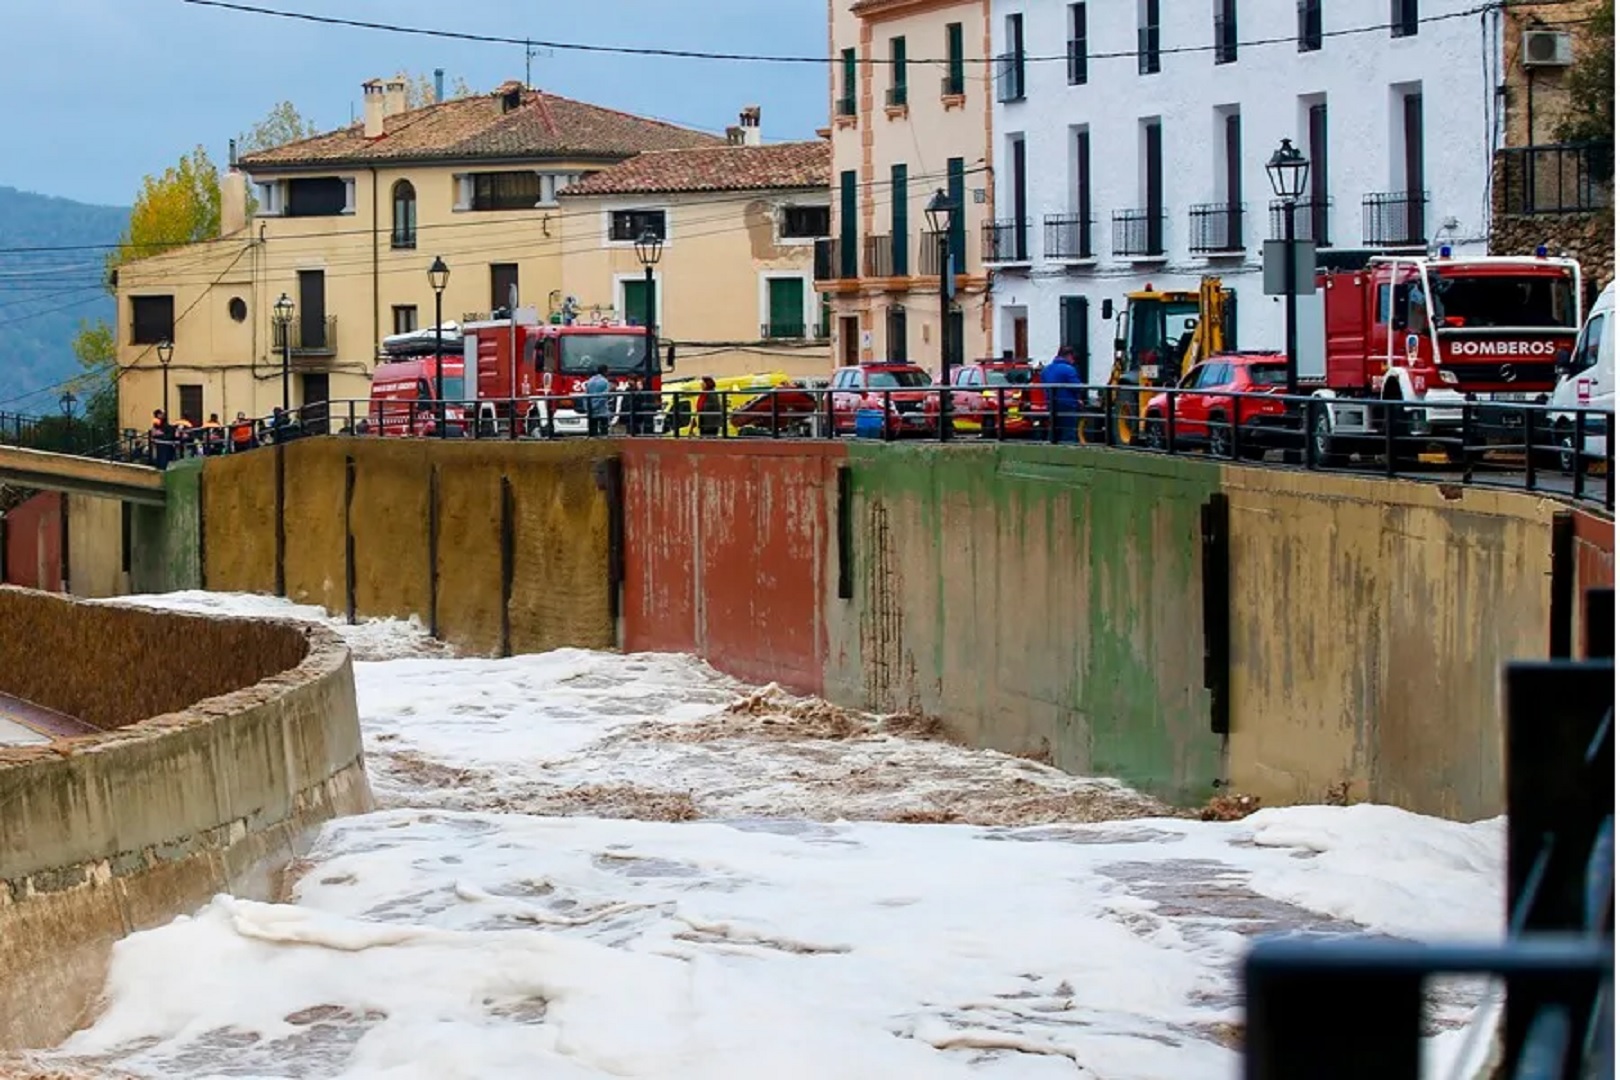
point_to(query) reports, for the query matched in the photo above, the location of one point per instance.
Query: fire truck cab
(533, 374)
(1438, 333)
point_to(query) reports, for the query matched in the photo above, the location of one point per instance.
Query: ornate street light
(165, 351)
(649, 248)
(284, 316)
(1289, 171)
(941, 213)
(438, 277)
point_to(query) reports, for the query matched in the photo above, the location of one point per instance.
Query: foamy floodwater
(595, 865)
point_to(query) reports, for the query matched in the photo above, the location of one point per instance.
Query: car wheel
(1153, 433)
(1220, 436)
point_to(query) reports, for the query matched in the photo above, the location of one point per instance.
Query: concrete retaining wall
(95, 543)
(32, 535)
(121, 831)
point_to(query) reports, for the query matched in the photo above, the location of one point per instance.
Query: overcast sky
(101, 92)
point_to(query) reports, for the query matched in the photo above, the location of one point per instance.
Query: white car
(1586, 381)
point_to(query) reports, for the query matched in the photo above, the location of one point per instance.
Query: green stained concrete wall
(166, 541)
(1041, 599)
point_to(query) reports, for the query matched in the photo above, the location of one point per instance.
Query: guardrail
(1351, 1008)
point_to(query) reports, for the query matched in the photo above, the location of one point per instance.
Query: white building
(1131, 138)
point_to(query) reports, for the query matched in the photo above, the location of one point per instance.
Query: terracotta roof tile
(713, 168)
(476, 128)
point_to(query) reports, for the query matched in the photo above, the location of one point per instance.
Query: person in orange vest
(213, 435)
(242, 433)
(160, 437)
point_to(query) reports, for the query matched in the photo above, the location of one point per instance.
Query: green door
(787, 307)
(640, 303)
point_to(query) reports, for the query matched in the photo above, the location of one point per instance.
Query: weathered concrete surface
(314, 558)
(560, 533)
(87, 476)
(95, 546)
(731, 555)
(1370, 623)
(33, 543)
(117, 832)
(1040, 599)
(388, 518)
(238, 522)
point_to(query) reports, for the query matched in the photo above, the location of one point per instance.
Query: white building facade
(1131, 139)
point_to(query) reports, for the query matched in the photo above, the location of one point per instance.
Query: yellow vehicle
(683, 401)
(1158, 335)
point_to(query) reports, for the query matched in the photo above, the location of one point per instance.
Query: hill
(44, 294)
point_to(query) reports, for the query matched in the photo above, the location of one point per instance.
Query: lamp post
(284, 314)
(438, 277)
(1288, 170)
(67, 401)
(165, 351)
(649, 246)
(941, 213)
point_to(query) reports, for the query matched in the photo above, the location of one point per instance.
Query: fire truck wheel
(1327, 448)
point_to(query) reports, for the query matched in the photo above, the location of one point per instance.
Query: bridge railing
(1350, 1008)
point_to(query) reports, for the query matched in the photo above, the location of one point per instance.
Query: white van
(1586, 381)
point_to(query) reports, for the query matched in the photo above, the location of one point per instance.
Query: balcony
(1394, 219)
(310, 337)
(1006, 241)
(1079, 62)
(1147, 50)
(831, 263)
(845, 105)
(878, 261)
(953, 85)
(1068, 237)
(1010, 77)
(1226, 38)
(784, 328)
(895, 97)
(1310, 25)
(928, 255)
(1310, 220)
(1216, 229)
(1139, 234)
(1565, 178)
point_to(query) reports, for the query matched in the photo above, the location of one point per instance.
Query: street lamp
(67, 401)
(941, 212)
(1288, 171)
(438, 277)
(284, 314)
(649, 246)
(165, 351)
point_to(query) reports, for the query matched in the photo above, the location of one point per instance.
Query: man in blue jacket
(1064, 396)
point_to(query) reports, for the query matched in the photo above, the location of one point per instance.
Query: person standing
(160, 437)
(1064, 396)
(598, 405)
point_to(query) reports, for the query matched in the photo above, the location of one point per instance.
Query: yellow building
(736, 225)
(903, 129)
(346, 225)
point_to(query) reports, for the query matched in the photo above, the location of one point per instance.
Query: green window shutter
(899, 200)
(847, 232)
(639, 300)
(897, 53)
(846, 95)
(786, 308)
(1075, 329)
(957, 189)
(956, 76)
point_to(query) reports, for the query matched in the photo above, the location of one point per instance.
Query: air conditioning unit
(1547, 48)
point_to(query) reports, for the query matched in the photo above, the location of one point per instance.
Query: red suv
(1206, 406)
(993, 398)
(897, 389)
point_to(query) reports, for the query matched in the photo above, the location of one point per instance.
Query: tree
(282, 124)
(178, 208)
(96, 347)
(1591, 82)
(419, 89)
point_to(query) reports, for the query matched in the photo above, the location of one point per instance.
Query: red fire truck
(1437, 333)
(540, 369)
(403, 388)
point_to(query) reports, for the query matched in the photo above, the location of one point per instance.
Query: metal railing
(928, 254)
(54, 434)
(953, 85)
(313, 337)
(846, 105)
(878, 261)
(1564, 178)
(1068, 236)
(1215, 228)
(834, 261)
(895, 96)
(1139, 233)
(1394, 219)
(1310, 220)
(1355, 1007)
(1006, 241)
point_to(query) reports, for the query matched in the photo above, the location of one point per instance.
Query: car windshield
(1470, 302)
(895, 380)
(624, 354)
(1007, 376)
(1268, 374)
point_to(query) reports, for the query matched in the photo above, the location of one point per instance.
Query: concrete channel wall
(216, 759)
(1184, 624)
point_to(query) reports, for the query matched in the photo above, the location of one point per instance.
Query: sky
(109, 91)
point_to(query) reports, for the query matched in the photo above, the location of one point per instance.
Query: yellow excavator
(1158, 335)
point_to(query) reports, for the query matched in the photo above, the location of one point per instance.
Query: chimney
(394, 96)
(438, 84)
(734, 136)
(232, 201)
(373, 91)
(750, 125)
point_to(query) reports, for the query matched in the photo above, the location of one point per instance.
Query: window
(1010, 70)
(1403, 18)
(1077, 44)
(237, 309)
(151, 319)
(847, 261)
(505, 190)
(896, 335)
(1082, 185)
(1586, 351)
(899, 238)
(955, 61)
(404, 215)
(1153, 184)
(1147, 37)
(785, 307)
(956, 188)
(1074, 330)
(639, 303)
(404, 318)
(628, 225)
(191, 403)
(1310, 25)
(1226, 37)
(503, 279)
(897, 72)
(846, 93)
(806, 222)
(325, 196)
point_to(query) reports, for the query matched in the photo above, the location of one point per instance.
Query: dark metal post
(286, 369)
(652, 352)
(438, 354)
(947, 423)
(1290, 309)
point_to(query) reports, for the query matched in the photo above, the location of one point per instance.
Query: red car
(993, 398)
(901, 390)
(1205, 408)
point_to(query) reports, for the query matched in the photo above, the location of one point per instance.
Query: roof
(713, 168)
(481, 127)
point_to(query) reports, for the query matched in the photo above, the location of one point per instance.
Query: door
(191, 403)
(1021, 337)
(316, 412)
(786, 307)
(849, 339)
(312, 309)
(641, 303)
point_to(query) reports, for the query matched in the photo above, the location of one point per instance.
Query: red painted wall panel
(727, 549)
(34, 543)
(1594, 563)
